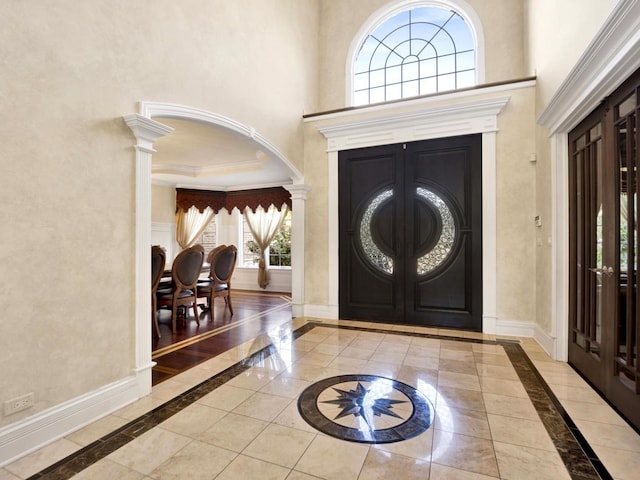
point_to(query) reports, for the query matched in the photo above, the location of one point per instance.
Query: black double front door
(410, 219)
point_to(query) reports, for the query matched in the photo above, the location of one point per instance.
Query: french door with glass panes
(604, 331)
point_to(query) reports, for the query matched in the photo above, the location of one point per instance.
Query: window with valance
(264, 211)
(201, 199)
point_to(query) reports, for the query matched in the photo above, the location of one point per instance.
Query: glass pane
(394, 75)
(443, 43)
(377, 258)
(376, 95)
(626, 106)
(466, 61)
(580, 260)
(280, 246)
(633, 324)
(208, 239)
(446, 82)
(394, 92)
(360, 81)
(428, 85)
(442, 248)
(250, 251)
(410, 89)
(466, 79)
(446, 64)
(595, 330)
(625, 180)
(428, 68)
(361, 98)
(410, 69)
(376, 78)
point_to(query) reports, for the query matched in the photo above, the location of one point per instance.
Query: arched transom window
(418, 51)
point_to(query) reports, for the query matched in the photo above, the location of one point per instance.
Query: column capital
(298, 191)
(146, 131)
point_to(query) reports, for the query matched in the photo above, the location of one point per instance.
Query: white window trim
(241, 221)
(460, 6)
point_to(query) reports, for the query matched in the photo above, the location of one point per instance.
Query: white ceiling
(198, 155)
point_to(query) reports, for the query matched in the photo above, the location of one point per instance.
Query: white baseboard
(321, 311)
(514, 328)
(247, 279)
(27, 435)
(489, 325)
(546, 341)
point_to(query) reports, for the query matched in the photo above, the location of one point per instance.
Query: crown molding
(211, 170)
(611, 57)
(476, 116)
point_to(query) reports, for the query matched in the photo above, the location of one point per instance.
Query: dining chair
(185, 271)
(223, 262)
(158, 261)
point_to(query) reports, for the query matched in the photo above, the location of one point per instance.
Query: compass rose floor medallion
(365, 409)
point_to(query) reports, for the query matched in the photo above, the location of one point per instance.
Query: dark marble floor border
(578, 456)
(576, 453)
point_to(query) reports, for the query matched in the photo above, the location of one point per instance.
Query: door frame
(612, 56)
(470, 117)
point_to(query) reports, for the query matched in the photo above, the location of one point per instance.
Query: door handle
(606, 271)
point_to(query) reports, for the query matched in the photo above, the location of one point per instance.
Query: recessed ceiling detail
(202, 155)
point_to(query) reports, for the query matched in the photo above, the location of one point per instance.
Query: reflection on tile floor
(503, 409)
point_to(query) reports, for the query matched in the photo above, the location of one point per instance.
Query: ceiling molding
(195, 172)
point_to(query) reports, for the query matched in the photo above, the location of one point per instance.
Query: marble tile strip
(576, 453)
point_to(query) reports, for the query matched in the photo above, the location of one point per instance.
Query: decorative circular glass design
(377, 258)
(441, 250)
(365, 409)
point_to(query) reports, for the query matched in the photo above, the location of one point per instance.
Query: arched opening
(147, 127)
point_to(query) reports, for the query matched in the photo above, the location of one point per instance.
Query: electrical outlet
(18, 404)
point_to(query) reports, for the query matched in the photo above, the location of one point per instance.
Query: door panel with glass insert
(410, 219)
(624, 388)
(588, 268)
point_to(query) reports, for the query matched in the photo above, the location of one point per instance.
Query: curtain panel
(264, 224)
(190, 224)
(242, 199)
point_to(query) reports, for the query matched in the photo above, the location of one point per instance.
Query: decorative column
(489, 232)
(146, 131)
(298, 202)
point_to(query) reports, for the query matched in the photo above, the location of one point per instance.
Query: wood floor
(254, 313)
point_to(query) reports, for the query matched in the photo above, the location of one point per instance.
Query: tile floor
(236, 415)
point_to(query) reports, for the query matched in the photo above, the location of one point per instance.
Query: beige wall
(163, 204)
(343, 19)
(70, 71)
(558, 34)
(516, 193)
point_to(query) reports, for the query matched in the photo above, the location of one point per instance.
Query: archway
(147, 131)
